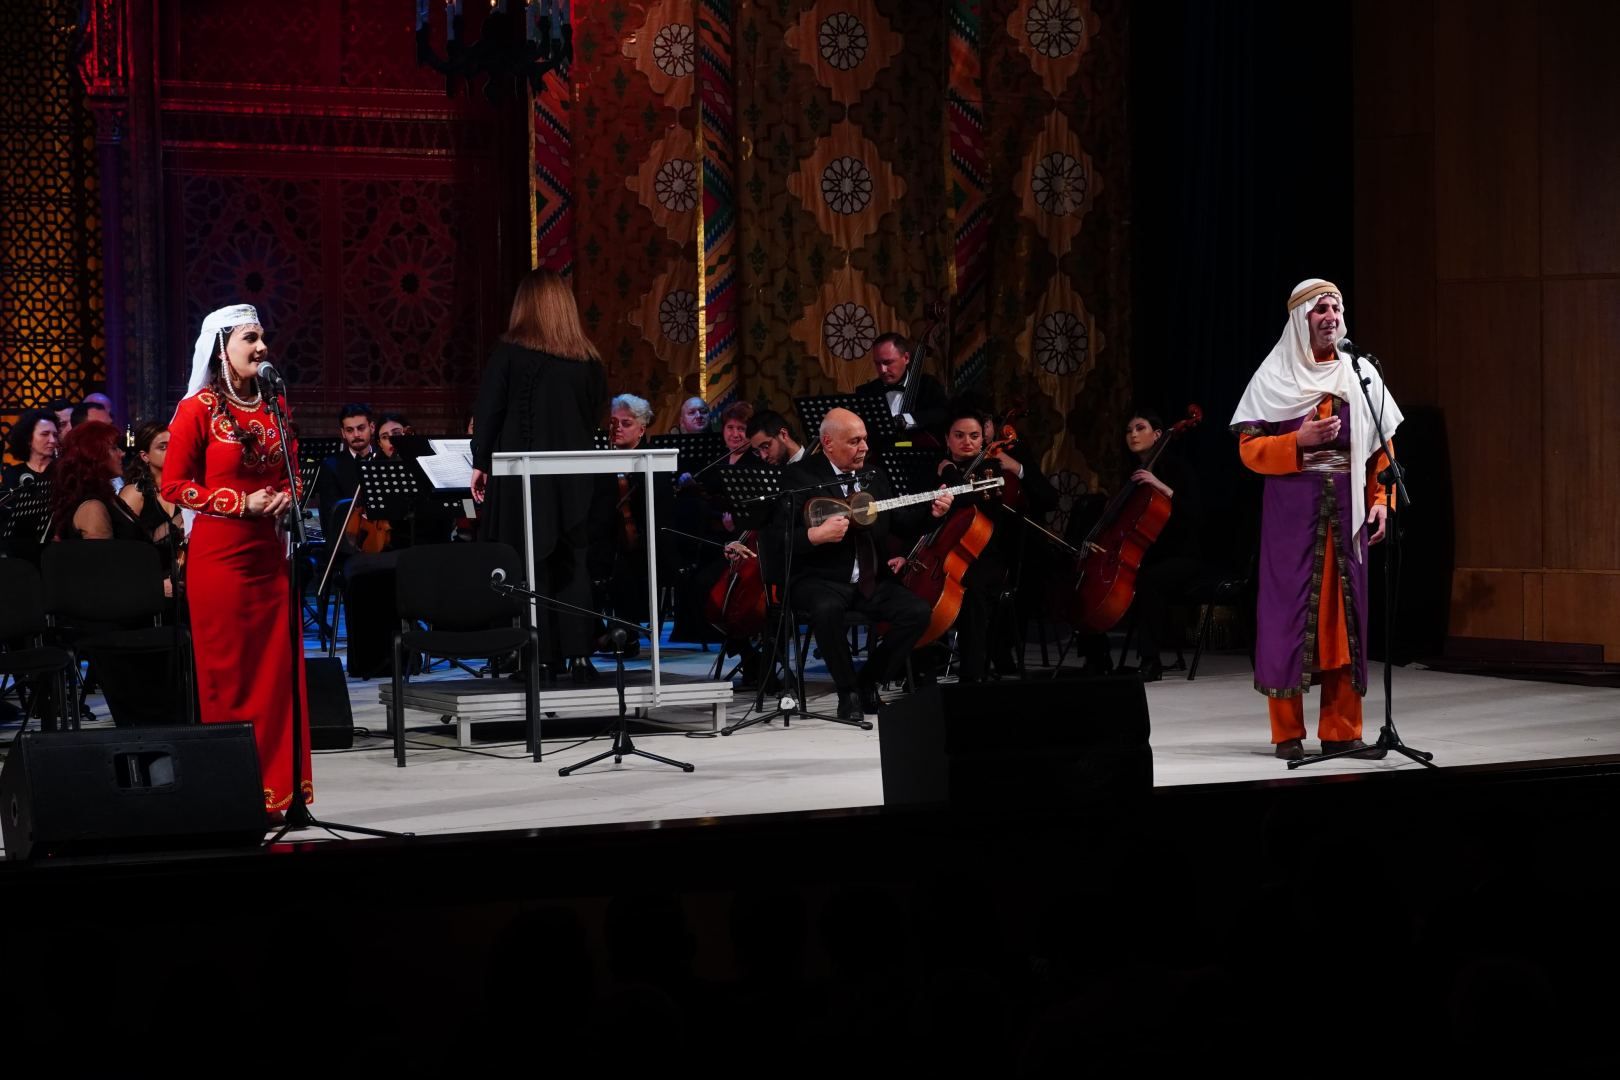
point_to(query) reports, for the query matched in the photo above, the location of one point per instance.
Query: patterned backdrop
(843, 230)
(50, 229)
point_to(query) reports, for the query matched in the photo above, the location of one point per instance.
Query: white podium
(644, 464)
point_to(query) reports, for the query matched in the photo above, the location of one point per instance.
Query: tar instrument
(862, 508)
(1112, 552)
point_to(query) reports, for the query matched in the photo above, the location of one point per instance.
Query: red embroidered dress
(236, 578)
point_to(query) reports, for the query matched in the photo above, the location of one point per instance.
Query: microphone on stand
(1356, 352)
(271, 381)
(497, 580)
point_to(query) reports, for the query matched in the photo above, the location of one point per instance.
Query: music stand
(873, 409)
(693, 450)
(29, 524)
(389, 487)
(910, 469)
(755, 492)
(318, 450)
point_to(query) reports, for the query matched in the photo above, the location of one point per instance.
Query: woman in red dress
(225, 470)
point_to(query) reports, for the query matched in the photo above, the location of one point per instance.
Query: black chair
(105, 602)
(1220, 590)
(447, 586)
(22, 619)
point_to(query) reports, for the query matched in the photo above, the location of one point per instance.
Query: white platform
(1211, 730)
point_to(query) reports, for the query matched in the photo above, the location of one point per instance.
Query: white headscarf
(1290, 383)
(205, 354)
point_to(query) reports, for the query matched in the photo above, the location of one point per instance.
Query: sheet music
(448, 471)
(452, 447)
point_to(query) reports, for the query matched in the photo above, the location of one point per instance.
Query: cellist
(1171, 564)
(982, 639)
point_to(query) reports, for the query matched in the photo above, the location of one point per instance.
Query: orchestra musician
(618, 527)
(838, 567)
(1170, 565)
(702, 508)
(982, 638)
(891, 360)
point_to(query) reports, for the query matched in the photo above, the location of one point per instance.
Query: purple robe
(1293, 557)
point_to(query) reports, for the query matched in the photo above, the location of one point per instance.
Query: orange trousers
(1340, 719)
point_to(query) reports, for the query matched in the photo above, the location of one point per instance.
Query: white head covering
(205, 354)
(1290, 383)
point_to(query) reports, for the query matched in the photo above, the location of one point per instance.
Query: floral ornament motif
(1061, 343)
(842, 40)
(1054, 27)
(673, 51)
(846, 185)
(676, 185)
(846, 43)
(848, 331)
(1059, 183)
(1071, 487)
(677, 316)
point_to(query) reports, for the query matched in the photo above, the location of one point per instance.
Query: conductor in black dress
(839, 567)
(891, 357)
(543, 389)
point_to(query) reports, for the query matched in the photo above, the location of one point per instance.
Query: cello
(736, 601)
(1113, 550)
(940, 559)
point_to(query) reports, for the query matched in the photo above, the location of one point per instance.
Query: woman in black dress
(543, 389)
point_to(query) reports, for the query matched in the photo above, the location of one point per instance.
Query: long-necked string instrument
(862, 508)
(1112, 551)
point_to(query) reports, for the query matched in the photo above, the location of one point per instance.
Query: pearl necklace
(236, 399)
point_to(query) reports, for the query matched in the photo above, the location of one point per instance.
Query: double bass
(1113, 550)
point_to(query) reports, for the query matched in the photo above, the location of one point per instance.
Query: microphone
(497, 578)
(270, 378)
(1356, 352)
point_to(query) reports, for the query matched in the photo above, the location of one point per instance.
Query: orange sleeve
(1270, 455)
(1376, 491)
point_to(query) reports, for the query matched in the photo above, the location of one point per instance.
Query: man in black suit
(839, 568)
(891, 356)
(340, 473)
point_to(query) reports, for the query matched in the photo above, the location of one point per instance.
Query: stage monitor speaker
(131, 789)
(1040, 742)
(331, 720)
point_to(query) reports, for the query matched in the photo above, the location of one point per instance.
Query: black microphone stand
(623, 746)
(1394, 478)
(298, 815)
(791, 702)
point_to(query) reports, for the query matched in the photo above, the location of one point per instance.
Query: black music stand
(318, 450)
(389, 489)
(756, 493)
(693, 450)
(882, 429)
(28, 526)
(910, 469)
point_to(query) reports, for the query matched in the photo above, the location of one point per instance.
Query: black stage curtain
(1241, 130)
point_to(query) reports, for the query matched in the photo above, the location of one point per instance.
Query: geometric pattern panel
(254, 240)
(405, 323)
(50, 229)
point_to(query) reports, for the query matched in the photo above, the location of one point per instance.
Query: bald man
(839, 567)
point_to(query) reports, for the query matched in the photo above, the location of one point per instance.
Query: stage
(1209, 731)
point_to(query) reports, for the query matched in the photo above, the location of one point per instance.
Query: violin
(629, 535)
(1112, 552)
(361, 533)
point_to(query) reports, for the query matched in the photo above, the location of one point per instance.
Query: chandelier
(522, 41)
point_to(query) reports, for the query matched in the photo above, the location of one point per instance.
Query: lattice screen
(50, 229)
